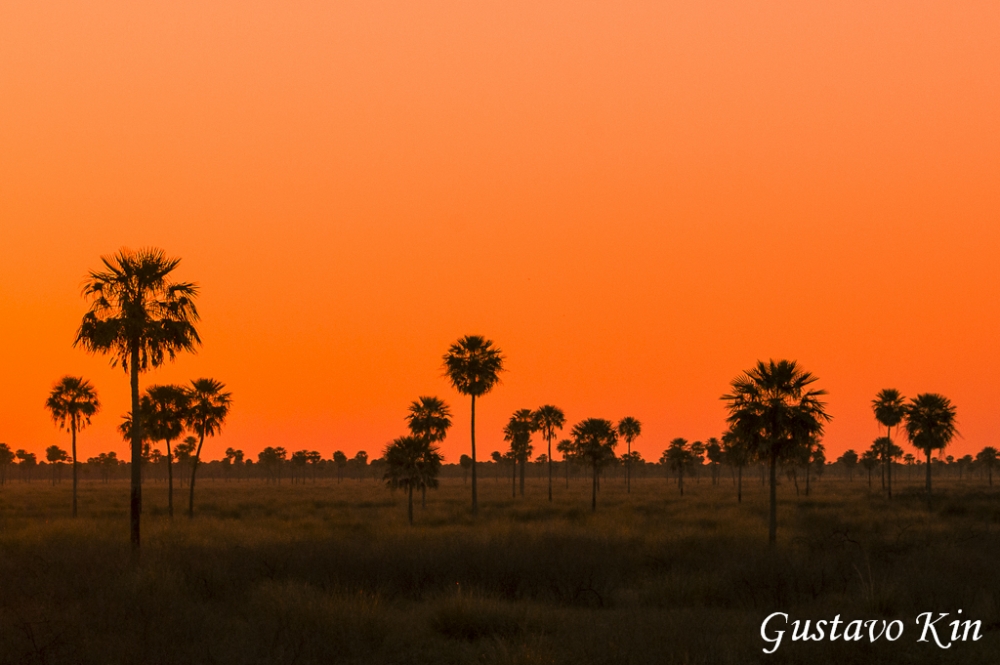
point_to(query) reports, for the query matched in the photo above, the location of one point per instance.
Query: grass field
(328, 572)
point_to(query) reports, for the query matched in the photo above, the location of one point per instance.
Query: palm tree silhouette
(772, 407)
(164, 410)
(930, 425)
(518, 432)
(411, 462)
(889, 410)
(594, 441)
(141, 318)
(988, 457)
(737, 452)
(549, 419)
(679, 456)
(72, 402)
(429, 420)
(473, 365)
(629, 428)
(208, 406)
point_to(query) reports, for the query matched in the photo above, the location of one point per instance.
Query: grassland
(328, 572)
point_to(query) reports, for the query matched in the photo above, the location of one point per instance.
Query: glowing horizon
(635, 203)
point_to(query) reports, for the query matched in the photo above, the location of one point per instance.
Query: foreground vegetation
(328, 572)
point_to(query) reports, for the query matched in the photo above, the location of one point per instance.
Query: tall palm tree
(518, 432)
(773, 408)
(208, 406)
(473, 365)
(629, 429)
(141, 318)
(411, 462)
(930, 425)
(889, 408)
(164, 410)
(72, 402)
(549, 419)
(594, 441)
(429, 419)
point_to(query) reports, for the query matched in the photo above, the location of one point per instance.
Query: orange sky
(635, 201)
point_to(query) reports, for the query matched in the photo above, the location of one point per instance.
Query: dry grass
(328, 572)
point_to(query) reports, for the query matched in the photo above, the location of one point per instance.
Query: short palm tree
(412, 462)
(679, 457)
(429, 419)
(565, 448)
(594, 441)
(889, 408)
(207, 408)
(72, 402)
(988, 458)
(164, 409)
(549, 419)
(773, 408)
(473, 365)
(518, 432)
(930, 425)
(140, 317)
(629, 429)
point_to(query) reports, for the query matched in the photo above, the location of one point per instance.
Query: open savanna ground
(331, 572)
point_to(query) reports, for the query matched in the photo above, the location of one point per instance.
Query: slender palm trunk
(549, 440)
(593, 496)
(928, 479)
(170, 482)
(513, 479)
(423, 495)
(680, 479)
(524, 464)
(888, 473)
(739, 485)
(410, 513)
(135, 499)
(628, 468)
(194, 471)
(475, 502)
(72, 427)
(772, 517)
(808, 464)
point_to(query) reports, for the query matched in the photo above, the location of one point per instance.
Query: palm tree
(594, 441)
(412, 462)
(141, 318)
(473, 366)
(518, 432)
(988, 458)
(164, 410)
(629, 429)
(930, 425)
(55, 456)
(72, 402)
(208, 406)
(549, 418)
(889, 410)
(678, 456)
(429, 419)
(773, 408)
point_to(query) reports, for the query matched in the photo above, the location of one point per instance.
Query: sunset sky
(635, 201)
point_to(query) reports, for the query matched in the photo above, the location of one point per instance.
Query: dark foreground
(322, 573)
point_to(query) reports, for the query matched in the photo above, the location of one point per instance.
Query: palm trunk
(593, 497)
(808, 464)
(170, 482)
(73, 430)
(928, 479)
(423, 496)
(739, 485)
(135, 499)
(524, 464)
(549, 439)
(680, 479)
(772, 517)
(888, 474)
(513, 479)
(475, 503)
(628, 468)
(194, 471)
(411, 504)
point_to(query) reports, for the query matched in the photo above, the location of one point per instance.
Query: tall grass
(320, 573)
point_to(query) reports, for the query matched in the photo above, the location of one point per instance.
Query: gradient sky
(635, 200)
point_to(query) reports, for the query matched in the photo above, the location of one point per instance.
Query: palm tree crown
(429, 418)
(473, 365)
(889, 407)
(930, 425)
